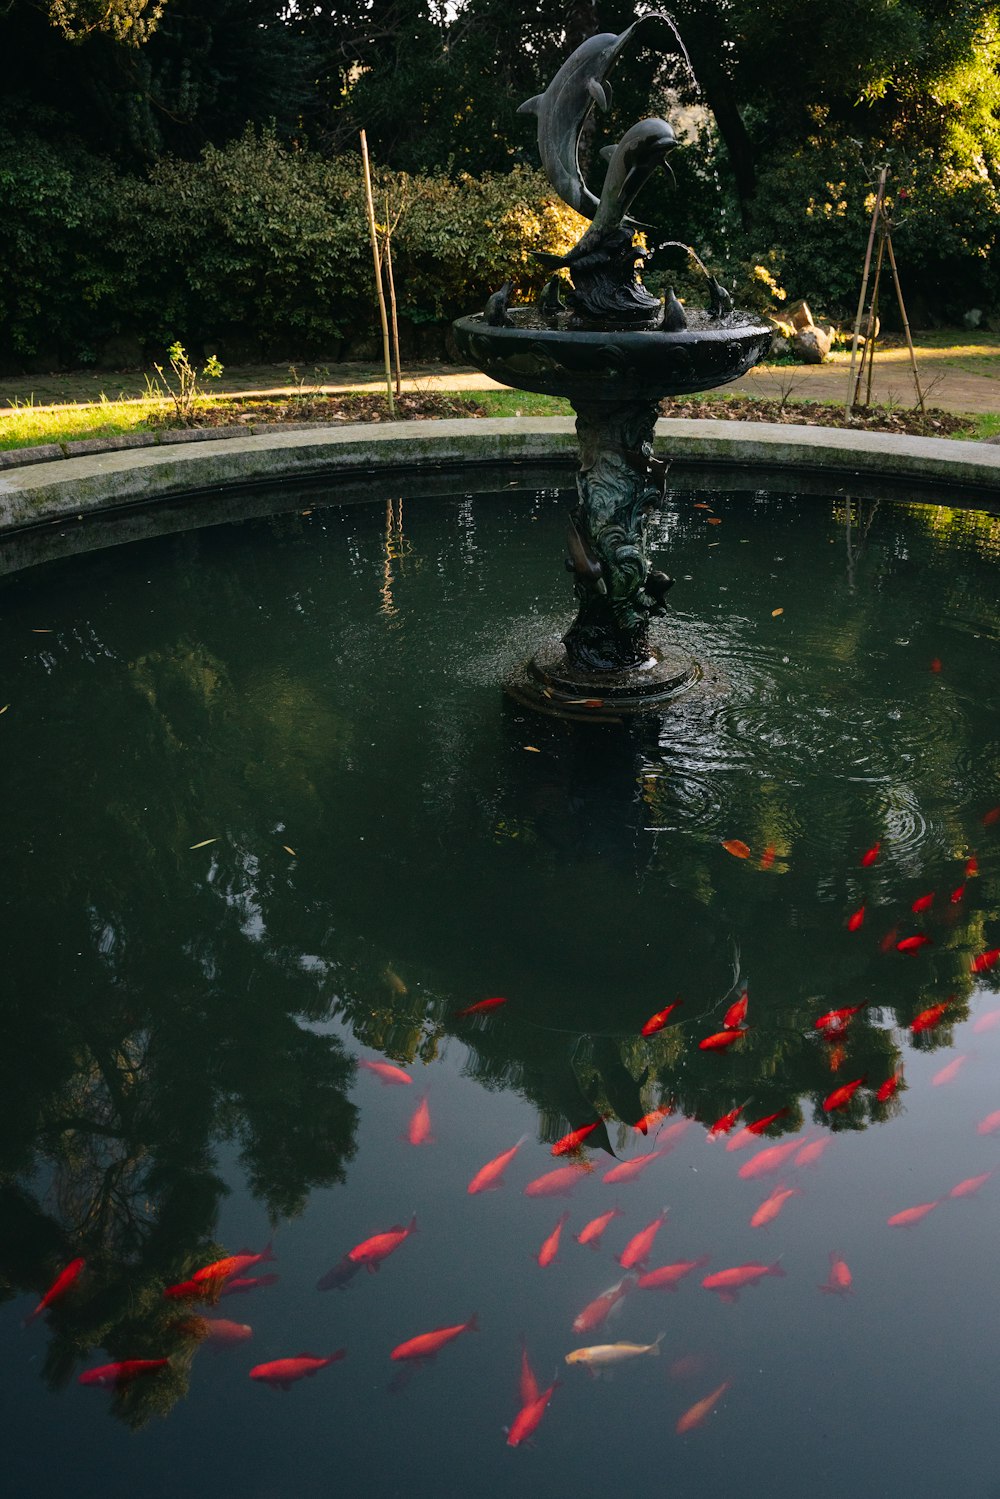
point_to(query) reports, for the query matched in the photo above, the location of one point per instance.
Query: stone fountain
(601, 339)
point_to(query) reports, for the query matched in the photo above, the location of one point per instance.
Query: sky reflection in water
(384, 841)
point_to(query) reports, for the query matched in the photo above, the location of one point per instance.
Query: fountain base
(551, 683)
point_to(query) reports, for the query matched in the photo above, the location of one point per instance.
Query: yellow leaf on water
(532, 749)
(204, 843)
(4, 708)
(776, 612)
(41, 632)
(289, 851)
(713, 520)
(737, 848)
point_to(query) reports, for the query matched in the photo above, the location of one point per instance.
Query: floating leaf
(737, 848)
(41, 632)
(289, 850)
(4, 708)
(776, 612)
(532, 749)
(713, 520)
(700, 505)
(204, 843)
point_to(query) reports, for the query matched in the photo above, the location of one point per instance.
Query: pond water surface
(267, 817)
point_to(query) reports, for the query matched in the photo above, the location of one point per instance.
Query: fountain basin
(610, 364)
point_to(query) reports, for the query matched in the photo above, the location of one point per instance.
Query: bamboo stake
(868, 352)
(906, 325)
(378, 273)
(392, 300)
(864, 285)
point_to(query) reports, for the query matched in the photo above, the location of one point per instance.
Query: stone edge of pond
(118, 472)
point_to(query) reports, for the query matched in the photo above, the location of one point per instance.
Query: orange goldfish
(654, 1116)
(627, 1171)
(987, 1022)
(909, 1216)
(640, 1246)
(390, 1076)
(927, 1019)
(666, 1277)
(971, 1185)
(971, 867)
(58, 1288)
(242, 1283)
(371, 1252)
(856, 918)
(986, 960)
(217, 1330)
(839, 1281)
(701, 1409)
(597, 1311)
(737, 1012)
(727, 1284)
(990, 1124)
(841, 1097)
(810, 1154)
(571, 1143)
(658, 1021)
(888, 1088)
(771, 1159)
(767, 857)
(550, 1247)
(724, 1125)
(529, 1417)
(233, 1264)
(914, 944)
(771, 1206)
(489, 1177)
(419, 1129)
(592, 1232)
(427, 1344)
(122, 1373)
(868, 858)
(720, 1040)
(527, 1385)
(282, 1373)
(949, 1072)
(481, 1007)
(558, 1183)
(836, 1020)
(737, 848)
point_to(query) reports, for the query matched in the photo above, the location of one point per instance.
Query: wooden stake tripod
(880, 226)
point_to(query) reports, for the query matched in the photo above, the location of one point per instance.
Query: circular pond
(269, 820)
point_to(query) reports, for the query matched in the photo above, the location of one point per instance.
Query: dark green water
(392, 841)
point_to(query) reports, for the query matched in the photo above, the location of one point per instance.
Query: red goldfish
(771, 1206)
(767, 857)
(835, 1021)
(282, 1373)
(957, 894)
(986, 960)
(990, 1124)
(856, 918)
(970, 1185)
(935, 663)
(760, 1125)
(386, 1073)
(838, 1282)
(701, 1409)
(841, 1097)
(233, 1264)
(373, 1251)
(640, 1246)
(720, 1040)
(558, 1183)
(666, 1277)
(596, 1311)
(241, 1284)
(971, 867)
(122, 1373)
(627, 1171)
(737, 1012)
(654, 1116)
(550, 1247)
(836, 1055)
(889, 940)
(909, 1216)
(427, 1344)
(728, 1284)
(419, 1129)
(724, 1125)
(58, 1288)
(489, 1177)
(888, 1088)
(658, 1021)
(949, 1072)
(527, 1385)
(987, 1022)
(737, 848)
(591, 1232)
(771, 1159)
(811, 1153)
(529, 1417)
(194, 1290)
(572, 1142)
(914, 944)
(927, 1019)
(868, 858)
(923, 903)
(217, 1330)
(481, 1007)
(990, 817)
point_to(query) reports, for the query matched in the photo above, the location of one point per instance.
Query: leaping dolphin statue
(562, 110)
